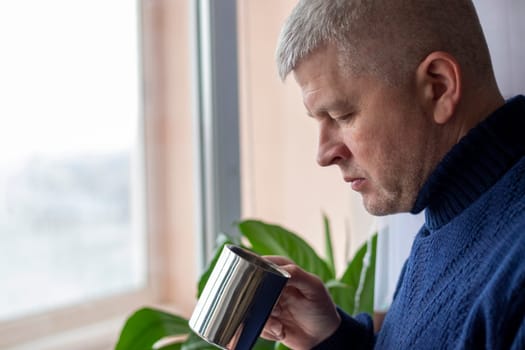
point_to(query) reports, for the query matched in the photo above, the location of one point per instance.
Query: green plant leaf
(175, 346)
(263, 344)
(147, 326)
(330, 261)
(280, 346)
(352, 276)
(194, 342)
(343, 295)
(267, 239)
(367, 293)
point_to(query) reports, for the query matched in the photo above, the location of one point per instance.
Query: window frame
(216, 111)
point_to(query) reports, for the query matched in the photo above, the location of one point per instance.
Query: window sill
(100, 336)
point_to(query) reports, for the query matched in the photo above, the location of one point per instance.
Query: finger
(309, 285)
(277, 310)
(269, 336)
(278, 260)
(273, 330)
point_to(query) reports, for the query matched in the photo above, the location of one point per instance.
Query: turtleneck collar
(474, 164)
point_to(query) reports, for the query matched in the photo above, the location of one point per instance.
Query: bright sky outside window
(70, 159)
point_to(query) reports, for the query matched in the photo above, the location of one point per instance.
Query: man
(408, 108)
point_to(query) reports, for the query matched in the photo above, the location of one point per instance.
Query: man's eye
(343, 118)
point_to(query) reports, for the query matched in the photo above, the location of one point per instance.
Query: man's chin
(378, 207)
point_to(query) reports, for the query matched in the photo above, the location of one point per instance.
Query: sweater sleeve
(357, 332)
(519, 341)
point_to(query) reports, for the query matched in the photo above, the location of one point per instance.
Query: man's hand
(305, 314)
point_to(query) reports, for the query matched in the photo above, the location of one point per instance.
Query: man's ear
(439, 79)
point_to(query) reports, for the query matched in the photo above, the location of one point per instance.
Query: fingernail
(277, 330)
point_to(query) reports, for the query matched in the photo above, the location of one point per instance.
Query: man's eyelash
(343, 118)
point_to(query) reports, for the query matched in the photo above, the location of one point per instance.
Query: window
(71, 165)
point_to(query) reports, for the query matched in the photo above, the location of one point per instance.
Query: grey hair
(387, 38)
(311, 25)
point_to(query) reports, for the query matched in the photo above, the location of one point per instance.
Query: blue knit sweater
(463, 285)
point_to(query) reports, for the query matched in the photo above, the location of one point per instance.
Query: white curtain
(504, 28)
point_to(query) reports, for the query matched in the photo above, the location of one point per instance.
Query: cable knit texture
(463, 285)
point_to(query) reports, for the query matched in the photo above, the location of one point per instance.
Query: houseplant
(352, 291)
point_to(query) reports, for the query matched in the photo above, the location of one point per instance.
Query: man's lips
(356, 182)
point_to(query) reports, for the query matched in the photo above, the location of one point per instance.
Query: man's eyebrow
(317, 113)
(340, 105)
(319, 110)
(308, 112)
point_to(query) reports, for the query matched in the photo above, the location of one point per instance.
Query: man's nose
(332, 149)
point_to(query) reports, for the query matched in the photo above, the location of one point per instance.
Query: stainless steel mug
(237, 299)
